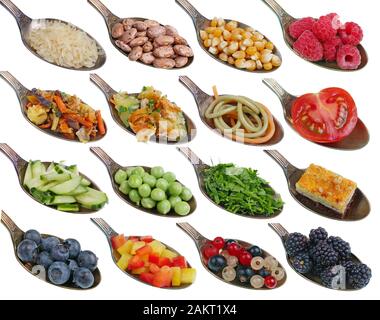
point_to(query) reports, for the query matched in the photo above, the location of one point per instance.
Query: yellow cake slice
(327, 188)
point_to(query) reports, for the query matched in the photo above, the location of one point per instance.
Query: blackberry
(317, 235)
(348, 265)
(317, 270)
(327, 277)
(359, 276)
(302, 263)
(296, 243)
(342, 247)
(324, 255)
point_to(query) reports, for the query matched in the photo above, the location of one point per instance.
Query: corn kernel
(210, 29)
(240, 63)
(231, 60)
(238, 31)
(223, 57)
(218, 32)
(226, 51)
(257, 55)
(211, 36)
(276, 61)
(259, 65)
(248, 43)
(250, 65)
(258, 36)
(207, 43)
(227, 35)
(236, 37)
(249, 29)
(242, 48)
(266, 58)
(239, 55)
(268, 66)
(247, 35)
(214, 22)
(216, 42)
(259, 45)
(221, 22)
(204, 35)
(233, 47)
(269, 45)
(231, 25)
(213, 50)
(264, 41)
(223, 45)
(251, 51)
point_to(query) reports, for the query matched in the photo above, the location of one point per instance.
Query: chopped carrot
(101, 127)
(78, 118)
(46, 125)
(60, 104)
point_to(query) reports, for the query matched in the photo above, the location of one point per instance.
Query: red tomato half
(325, 117)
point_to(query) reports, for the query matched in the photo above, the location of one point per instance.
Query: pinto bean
(147, 58)
(128, 35)
(180, 40)
(155, 32)
(151, 23)
(164, 63)
(128, 23)
(117, 30)
(123, 46)
(171, 31)
(181, 62)
(136, 54)
(137, 42)
(164, 41)
(163, 52)
(183, 51)
(140, 26)
(148, 47)
(141, 34)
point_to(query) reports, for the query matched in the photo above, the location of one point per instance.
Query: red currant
(209, 250)
(218, 243)
(234, 249)
(245, 258)
(270, 282)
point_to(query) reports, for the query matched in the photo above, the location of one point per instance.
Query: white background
(296, 75)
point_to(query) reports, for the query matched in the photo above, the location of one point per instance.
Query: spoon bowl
(358, 138)
(203, 101)
(22, 94)
(111, 20)
(26, 25)
(201, 22)
(109, 93)
(358, 209)
(286, 20)
(21, 165)
(17, 236)
(283, 234)
(110, 233)
(200, 167)
(200, 241)
(113, 167)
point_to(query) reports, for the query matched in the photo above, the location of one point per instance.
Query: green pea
(134, 197)
(175, 189)
(182, 208)
(150, 180)
(164, 207)
(125, 187)
(130, 171)
(148, 203)
(169, 177)
(174, 200)
(120, 176)
(186, 194)
(135, 181)
(158, 195)
(157, 172)
(139, 171)
(145, 190)
(162, 184)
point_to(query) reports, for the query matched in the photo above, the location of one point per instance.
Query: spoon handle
(111, 165)
(285, 97)
(105, 227)
(20, 17)
(104, 11)
(14, 83)
(194, 234)
(102, 85)
(13, 229)
(17, 161)
(198, 19)
(280, 230)
(197, 163)
(284, 17)
(281, 160)
(199, 95)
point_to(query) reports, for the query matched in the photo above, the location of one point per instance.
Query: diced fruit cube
(140, 271)
(136, 246)
(145, 258)
(154, 258)
(157, 247)
(176, 280)
(144, 251)
(118, 241)
(126, 248)
(147, 277)
(179, 262)
(164, 262)
(188, 275)
(135, 263)
(163, 279)
(124, 261)
(169, 254)
(153, 268)
(147, 239)
(134, 238)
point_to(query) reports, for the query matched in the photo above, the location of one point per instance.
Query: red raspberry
(351, 33)
(335, 20)
(331, 48)
(348, 57)
(309, 47)
(324, 29)
(297, 27)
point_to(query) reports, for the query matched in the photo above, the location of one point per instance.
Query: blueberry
(227, 242)
(33, 235)
(217, 263)
(60, 253)
(27, 251)
(87, 259)
(44, 259)
(264, 273)
(255, 251)
(59, 273)
(73, 265)
(83, 278)
(49, 243)
(244, 274)
(73, 246)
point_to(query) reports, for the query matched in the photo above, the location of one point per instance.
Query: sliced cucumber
(68, 207)
(66, 187)
(51, 167)
(79, 190)
(47, 187)
(43, 197)
(38, 169)
(85, 182)
(73, 169)
(35, 183)
(63, 200)
(92, 199)
(28, 174)
(54, 176)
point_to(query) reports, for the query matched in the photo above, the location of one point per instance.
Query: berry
(317, 270)
(209, 250)
(87, 259)
(348, 57)
(299, 26)
(264, 273)
(74, 248)
(244, 274)
(255, 251)
(73, 265)
(302, 263)
(335, 20)
(257, 282)
(351, 33)
(342, 247)
(59, 273)
(60, 253)
(27, 251)
(83, 278)
(308, 47)
(330, 49)
(229, 241)
(270, 282)
(33, 235)
(324, 28)
(359, 276)
(49, 243)
(245, 258)
(327, 276)
(324, 255)
(229, 274)
(348, 265)
(44, 259)
(218, 243)
(296, 243)
(217, 263)
(317, 235)
(234, 249)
